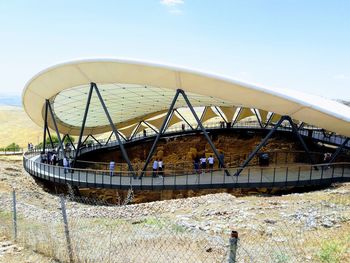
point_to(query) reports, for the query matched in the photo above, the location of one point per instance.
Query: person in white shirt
(111, 168)
(155, 168)
(65, 164)
(160, 168)
(203, 161)
(211, 162)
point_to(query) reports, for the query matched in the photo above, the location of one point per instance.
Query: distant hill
(17, 127)
(7, 100)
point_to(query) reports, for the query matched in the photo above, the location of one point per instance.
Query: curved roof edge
(304, 100)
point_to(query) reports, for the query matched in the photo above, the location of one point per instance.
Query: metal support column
(70, 141)
(262, 143)
(86, 138)
(295, 131)
(257, 117)
(95, 139)
(135, 131)
(149, 126)
(269, 120)
(110, 136)
(116, 133)
(161, 130)
(222, 117)
(204, 131)
(169, 119)
(182, 117)
(338, 151)
(55, 125)
(45, 125)
(83, 124)
(301, 125)
(237, 116)
(63, 139)
(49, 134)
(122, 136)
(202, 116)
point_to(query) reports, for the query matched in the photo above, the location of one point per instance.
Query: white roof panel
(148, 87)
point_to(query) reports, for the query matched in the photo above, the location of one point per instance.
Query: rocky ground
(315, 224)
(13, 253)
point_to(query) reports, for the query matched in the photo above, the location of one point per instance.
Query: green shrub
(12, 147)
(281, 258)
(332, 251)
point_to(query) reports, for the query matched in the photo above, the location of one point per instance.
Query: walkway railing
(275, 158)
(177, 177)
(315, 133)
(15, 151)
(252, 177)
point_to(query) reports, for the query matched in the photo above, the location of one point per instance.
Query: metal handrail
(295, 175)
(318, 134)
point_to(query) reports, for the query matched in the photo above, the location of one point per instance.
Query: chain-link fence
(79, 229)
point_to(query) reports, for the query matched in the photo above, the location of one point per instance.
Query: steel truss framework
(161, 131)
(164, 125)
(269, 135)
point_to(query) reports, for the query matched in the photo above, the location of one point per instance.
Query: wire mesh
(305, 231)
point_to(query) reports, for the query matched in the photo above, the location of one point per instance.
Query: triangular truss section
(229, 112)
(208, 114)
(244, 113)
(128, 131)
(263, 116)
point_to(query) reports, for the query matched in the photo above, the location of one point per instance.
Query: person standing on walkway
(155, 168)
(211, 162)
(65, 165)
(222, 158)
(111, 167)
(53, 158)
(49, 156)
(160, 167)
(196, 164)
(203, 163)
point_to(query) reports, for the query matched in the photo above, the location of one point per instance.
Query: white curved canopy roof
(134, 91)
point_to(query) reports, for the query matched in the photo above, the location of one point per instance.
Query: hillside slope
(17, 127)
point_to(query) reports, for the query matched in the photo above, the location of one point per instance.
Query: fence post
(66, 229)
(233, 247)
(14, 214)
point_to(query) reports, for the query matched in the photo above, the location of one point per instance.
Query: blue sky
(287, 44)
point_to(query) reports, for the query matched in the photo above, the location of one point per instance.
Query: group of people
(200, 164)
(49, 158)
(158, 168)
(203, 164)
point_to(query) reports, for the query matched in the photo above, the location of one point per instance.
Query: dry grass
(17, 127)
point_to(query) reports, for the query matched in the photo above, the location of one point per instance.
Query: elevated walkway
(297, 175)
(254, 177)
